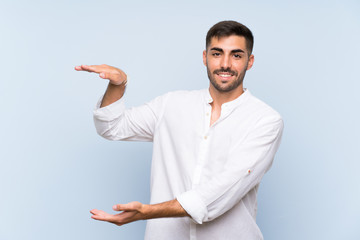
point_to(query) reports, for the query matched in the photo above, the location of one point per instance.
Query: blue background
(54, 168)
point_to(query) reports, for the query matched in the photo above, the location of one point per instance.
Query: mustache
(227, 70)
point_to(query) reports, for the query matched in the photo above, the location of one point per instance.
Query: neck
(219, 98)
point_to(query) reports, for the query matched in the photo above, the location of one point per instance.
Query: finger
(106, 217)
(95, 211)
(103, 75)
(84, 68)
(117, 207)
(123, 207)
(112, 76)
(132, 206)
(103, 216)
(90, 68)
(100, 215)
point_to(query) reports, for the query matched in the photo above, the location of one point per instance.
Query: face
(227, 61)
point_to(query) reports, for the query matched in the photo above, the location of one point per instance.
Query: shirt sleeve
(247, 163)
(115, 122)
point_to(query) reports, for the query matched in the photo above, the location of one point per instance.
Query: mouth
(224, 76)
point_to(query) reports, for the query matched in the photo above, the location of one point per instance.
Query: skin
(135, 211)
(229, 56)
(227, 61)
(117, 81)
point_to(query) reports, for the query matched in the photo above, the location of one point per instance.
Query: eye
(237, 55)
(216, 54)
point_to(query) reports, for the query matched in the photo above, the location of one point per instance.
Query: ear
(204, 58)
(250, 62)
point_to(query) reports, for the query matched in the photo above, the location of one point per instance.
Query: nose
(226, 62)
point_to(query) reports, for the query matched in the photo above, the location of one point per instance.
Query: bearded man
(211, 147)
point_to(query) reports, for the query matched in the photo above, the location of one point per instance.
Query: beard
(236, 83)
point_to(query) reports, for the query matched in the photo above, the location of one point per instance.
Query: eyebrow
(232, 51)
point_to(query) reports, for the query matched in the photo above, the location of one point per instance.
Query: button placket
(204, 145)
(203, 148)
(192, 231)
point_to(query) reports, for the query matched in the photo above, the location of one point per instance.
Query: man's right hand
(113, 74)
(117, 78)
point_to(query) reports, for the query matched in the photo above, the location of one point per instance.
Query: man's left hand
(135, 211)
(131, 212)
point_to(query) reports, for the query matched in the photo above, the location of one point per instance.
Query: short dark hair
(228, 28)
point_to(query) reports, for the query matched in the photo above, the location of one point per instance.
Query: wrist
(145, 211)
(122, 80)
(121, 85)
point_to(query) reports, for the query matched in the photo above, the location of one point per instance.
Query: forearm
(135, 211)
(112, 94)
(163, 210)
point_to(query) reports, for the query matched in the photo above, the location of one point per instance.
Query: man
(211, 146)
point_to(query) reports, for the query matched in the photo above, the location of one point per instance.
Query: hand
(115, 75)
(131, 212)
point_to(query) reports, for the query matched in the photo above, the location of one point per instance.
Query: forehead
(228, 43)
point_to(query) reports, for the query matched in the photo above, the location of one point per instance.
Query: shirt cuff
(193, 205)
(109, 112)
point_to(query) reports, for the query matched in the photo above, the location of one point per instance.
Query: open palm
(130, 212)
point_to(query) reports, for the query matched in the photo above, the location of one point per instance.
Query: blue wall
(54, 168)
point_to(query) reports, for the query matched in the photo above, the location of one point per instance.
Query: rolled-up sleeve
(115, 122)
(244, 168)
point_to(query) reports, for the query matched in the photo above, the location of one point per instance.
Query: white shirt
(213, 171)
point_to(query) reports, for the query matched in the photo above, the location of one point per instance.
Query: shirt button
(207, 114)
(205, 137)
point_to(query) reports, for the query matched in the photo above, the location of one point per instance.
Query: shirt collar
(229, 105)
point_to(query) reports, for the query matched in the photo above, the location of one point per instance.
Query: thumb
(103, 75)
(132, 206)
(121, 207)
(115, 78)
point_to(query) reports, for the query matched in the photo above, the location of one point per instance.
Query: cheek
(209, 67)
(241, 67)
(212, 64)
